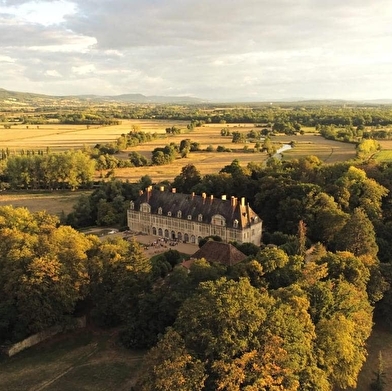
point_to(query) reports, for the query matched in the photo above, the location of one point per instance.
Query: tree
(177, 369)
(188, 179)
(378, 383)
(358, 235)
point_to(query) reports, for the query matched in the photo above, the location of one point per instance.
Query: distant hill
(29, 98)
(32, 99)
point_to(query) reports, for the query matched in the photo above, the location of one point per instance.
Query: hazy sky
(212, 49)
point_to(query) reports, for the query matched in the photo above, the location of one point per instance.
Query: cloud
(52, 73)
(84, 69)
(264, 49)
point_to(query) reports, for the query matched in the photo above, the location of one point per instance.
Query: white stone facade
(189, 218)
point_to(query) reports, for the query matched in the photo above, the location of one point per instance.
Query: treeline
(69, 170)
(282, 114)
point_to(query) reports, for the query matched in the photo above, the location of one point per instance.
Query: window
(159, 210)
(145, 208)
(169, 214)
(235, 223)
(131, 205)
(179, 214)
(200, 217)
(189, 217)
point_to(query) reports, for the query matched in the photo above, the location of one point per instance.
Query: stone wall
(42, 336)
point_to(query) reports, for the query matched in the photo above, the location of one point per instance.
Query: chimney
(174, 190)
(162, 188)
(193, 195)
(204, 195)
(232, 201)
(224, 197)
(140, 192)
(148, 191)
(211, 198)
(242, 201)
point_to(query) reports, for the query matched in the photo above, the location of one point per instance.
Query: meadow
(94, 360)
(86, 360)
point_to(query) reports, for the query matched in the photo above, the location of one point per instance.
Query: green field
(94, 360)
(87, 360)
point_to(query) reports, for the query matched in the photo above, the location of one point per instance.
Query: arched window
(235, 223)
(179, 214)
(167, 233)
(159, 231)
(186, 238)
(154, 231)
(200, 217)
(131, 205)
(159, 210)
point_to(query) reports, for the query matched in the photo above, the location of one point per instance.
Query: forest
(295, 315)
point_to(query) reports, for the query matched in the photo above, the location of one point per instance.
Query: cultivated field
(54, 203)
(65, 137)
(328, 151)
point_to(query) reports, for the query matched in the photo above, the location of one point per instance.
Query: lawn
(87, 360)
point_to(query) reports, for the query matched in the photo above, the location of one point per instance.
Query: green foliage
(366, 148)
(43, 272)
(187, 179)
(52, 171)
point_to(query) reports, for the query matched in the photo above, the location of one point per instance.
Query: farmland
(59, 138)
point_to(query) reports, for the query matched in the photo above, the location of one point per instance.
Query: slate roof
(195, 205)
(223, 253)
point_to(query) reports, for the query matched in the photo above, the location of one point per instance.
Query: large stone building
(189, 217)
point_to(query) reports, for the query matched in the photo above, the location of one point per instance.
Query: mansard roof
(223, 253)
(195, 205)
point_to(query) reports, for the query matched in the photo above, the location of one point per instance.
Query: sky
(218, 50)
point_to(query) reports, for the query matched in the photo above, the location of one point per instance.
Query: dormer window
(189, 217)
(169, 214)
(145, 208)
(200, 217)
(131, 205)
(159, 210)
(179, 214)
(235, 223)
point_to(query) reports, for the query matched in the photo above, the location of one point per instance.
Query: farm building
(190, 217)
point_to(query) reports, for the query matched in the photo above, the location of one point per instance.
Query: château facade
(190, 217)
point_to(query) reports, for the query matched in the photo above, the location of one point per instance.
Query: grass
(53, 202)
(383, 156)
(91, 360)
(86, 360)
(380, 340)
